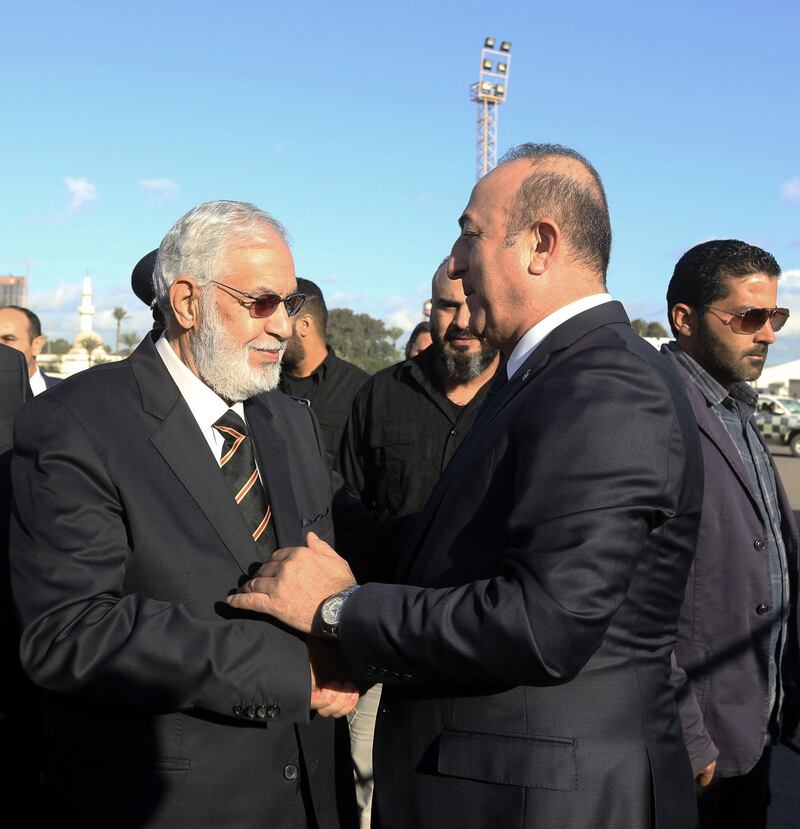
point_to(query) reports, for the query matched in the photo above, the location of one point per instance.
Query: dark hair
(419, 328)
(34, 323)
(315, 303)
(580, 207)
(701, 276)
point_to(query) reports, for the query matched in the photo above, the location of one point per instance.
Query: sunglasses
(264, 305)
(754, 319)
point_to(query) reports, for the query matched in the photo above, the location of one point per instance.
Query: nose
(279, 323)
(765, 334)
(461, 319)
(457, 261)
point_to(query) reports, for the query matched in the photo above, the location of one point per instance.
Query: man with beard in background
(406, 424)
(145, 491)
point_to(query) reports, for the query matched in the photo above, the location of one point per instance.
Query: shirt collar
(37, 382)
(713, 391)
(533, 337)
(206, 405)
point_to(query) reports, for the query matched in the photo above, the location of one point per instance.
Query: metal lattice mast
(490, 90)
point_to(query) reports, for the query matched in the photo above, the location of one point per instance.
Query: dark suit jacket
(526, 670)
(723, 641)
(165, 707)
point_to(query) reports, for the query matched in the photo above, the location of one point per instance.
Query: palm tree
(130, 339)
(90, 344)
(119, 314)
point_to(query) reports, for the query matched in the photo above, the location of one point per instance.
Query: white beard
(222, 364)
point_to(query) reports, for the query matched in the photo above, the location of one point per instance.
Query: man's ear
(303, 325)
(541, 244)
(184, 299)
(37, 344)
(684, 318)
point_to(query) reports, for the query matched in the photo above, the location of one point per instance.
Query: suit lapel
(184, 449)
(711, 426)
(274, 466)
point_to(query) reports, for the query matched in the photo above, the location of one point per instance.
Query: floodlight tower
(490, 90)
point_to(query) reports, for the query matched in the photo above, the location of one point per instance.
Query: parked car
(779, 420)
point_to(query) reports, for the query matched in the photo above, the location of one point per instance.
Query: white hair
(195, 244)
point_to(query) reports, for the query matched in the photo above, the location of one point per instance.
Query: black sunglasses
(264, 305)
(754, 319)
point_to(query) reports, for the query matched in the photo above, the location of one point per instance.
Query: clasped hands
(291, 586)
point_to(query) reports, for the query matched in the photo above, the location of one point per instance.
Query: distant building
(13, 291)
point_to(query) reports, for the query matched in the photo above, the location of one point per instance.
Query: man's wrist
(330, 611)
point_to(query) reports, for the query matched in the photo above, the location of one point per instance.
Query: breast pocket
(393, 448)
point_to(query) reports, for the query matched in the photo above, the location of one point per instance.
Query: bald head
(560, 184)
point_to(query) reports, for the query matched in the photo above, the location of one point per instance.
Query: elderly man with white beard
(145, 491)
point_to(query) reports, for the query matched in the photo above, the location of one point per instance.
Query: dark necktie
(238, 464)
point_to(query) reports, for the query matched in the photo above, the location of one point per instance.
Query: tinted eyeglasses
(264, 305)
(754, 319)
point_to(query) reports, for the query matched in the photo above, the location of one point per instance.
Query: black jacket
(723, 641)
(165, 708)
(330, 389)
(526, 656)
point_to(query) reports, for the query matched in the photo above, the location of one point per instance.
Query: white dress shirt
(206, 406)
(533, 336)
(37, 382)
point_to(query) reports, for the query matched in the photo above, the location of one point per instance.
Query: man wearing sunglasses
(737, 657)
(145, 491)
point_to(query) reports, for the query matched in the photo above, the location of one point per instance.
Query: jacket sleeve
(592, 467)
(83, 633)
(699, 744)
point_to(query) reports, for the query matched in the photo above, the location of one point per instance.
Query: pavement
(784, 813)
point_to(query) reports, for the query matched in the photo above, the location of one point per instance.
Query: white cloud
(65, 297)
(790, 190)
(81, 192)
(163, 189)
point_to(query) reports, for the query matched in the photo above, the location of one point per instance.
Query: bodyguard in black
(409, 419)
(311, 369)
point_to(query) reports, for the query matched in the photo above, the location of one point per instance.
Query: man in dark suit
(737, 649)
(20, 714)
(144, 491)
(20, 328)
(525, 654)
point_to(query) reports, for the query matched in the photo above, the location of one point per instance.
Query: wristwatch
(330, 611)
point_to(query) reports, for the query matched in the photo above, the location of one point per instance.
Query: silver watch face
(331, 610)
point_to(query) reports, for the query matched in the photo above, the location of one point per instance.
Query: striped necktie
(238, 464)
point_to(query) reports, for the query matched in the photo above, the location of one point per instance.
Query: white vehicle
(779, 420)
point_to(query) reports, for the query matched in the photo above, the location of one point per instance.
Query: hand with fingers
(292, 585)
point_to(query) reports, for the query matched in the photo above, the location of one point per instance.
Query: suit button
(384, 710)
(261, 712)
(394, 675)
(251, 711)
(407, 677)
(273, 711)
(381, 673)
(369, 670)
(762, 609)
(238, 710)
(290, 772)
(759, 544)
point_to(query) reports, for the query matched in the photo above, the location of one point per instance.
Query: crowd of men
(537, 574)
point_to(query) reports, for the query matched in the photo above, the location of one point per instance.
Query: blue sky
(352, 124)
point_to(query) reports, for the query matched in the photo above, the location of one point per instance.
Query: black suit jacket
(526, 666)
(723, 640)
(165, 707)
